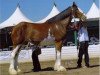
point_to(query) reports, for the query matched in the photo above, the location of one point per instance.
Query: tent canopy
(18, 16)
(93, 12)
(14, 19)
(53, 12)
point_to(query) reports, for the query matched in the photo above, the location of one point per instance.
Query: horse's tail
(18, 33)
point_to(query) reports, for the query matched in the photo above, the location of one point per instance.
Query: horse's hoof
(18, 70)
(12, 71)
(59, 68)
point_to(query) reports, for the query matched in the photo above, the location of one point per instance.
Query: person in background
(83, 40)
(35, 60)
(93, 39)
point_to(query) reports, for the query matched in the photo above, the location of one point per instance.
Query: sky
(36, 10)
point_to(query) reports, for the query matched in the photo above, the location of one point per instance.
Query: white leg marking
(57, 65)
(58, 58)
(14, 61)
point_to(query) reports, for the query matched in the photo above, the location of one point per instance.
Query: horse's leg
(57, 66)
(14, 60)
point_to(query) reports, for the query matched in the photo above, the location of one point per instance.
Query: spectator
(93, 39)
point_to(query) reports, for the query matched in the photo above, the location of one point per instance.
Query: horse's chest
(59, 31)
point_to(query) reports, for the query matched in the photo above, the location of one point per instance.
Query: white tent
(93, 12)
(14, 19)
(18, 16)
(53, 12)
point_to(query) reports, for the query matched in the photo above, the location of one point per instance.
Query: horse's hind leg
(57, 65)
(13, 69)
(16, 60)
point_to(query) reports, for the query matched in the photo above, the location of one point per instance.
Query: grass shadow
(70, 68)
(48, 69)
(45, 69)
(27, 72)
(91, 66)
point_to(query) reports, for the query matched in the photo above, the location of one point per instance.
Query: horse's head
(77, 13)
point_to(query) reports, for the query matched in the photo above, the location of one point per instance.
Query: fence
(68, 52)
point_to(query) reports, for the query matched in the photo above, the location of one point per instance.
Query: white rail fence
(68, 52)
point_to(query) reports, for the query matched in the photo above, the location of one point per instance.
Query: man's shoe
(79, 66)
(36, 70)
(87, 66)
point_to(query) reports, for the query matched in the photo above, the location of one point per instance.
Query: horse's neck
(59, 28)
(65, 22)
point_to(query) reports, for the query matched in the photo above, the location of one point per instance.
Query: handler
(83, 39)
(35, 60)
(36, 63)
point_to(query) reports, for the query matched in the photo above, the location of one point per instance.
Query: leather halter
(75, 24)
(72, 11)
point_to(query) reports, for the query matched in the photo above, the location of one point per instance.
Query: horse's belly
(48, 41)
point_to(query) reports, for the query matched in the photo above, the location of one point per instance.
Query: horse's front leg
(57, 66)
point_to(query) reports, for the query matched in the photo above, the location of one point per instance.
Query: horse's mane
(65, 13)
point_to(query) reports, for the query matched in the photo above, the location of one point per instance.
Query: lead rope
(76, 43)
(69, 62)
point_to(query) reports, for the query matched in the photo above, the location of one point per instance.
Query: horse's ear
(74, 4)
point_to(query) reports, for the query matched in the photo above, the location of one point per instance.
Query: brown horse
(57, 26)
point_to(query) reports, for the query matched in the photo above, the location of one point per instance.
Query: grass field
(47, 68)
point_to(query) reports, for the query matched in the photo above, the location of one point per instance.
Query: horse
(35, 33)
